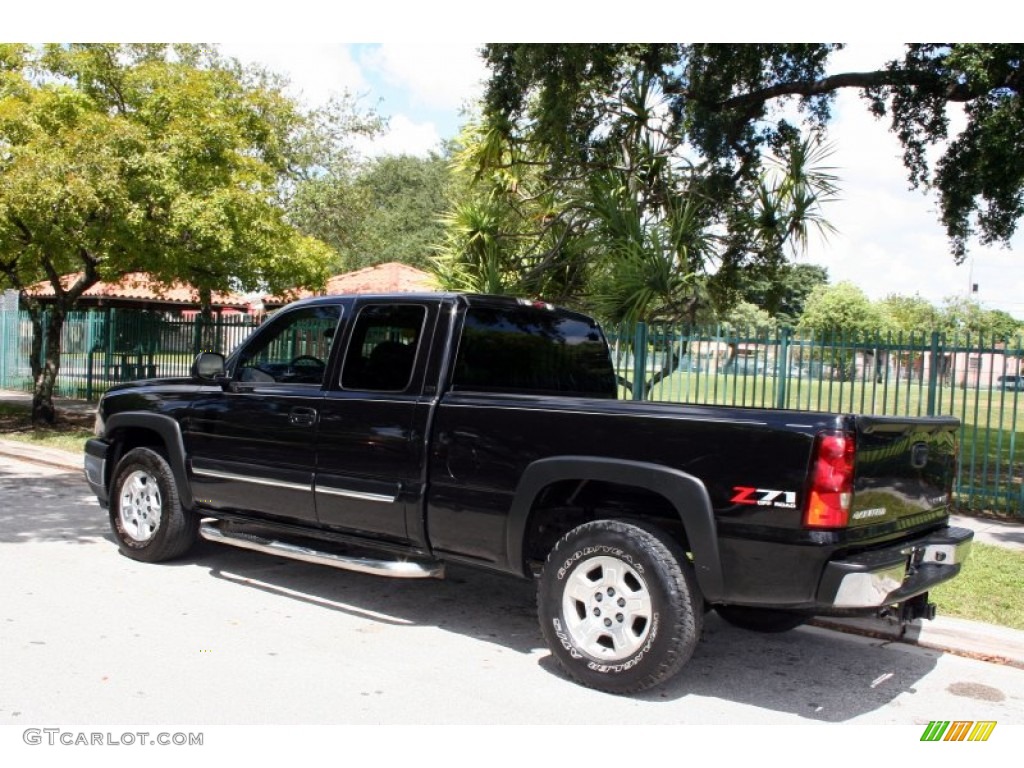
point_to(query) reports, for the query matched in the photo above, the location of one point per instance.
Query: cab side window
(533, 352)
(382, 351)
(293, 348)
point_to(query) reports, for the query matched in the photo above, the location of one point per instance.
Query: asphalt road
(225, 636)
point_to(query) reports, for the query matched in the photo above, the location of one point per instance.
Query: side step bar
(396, 569)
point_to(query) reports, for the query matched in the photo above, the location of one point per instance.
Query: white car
(1015, 383)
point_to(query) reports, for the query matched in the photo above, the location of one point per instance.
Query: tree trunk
(667, 368)
(48, 324)
(45, 366)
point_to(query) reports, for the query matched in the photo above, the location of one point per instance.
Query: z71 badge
(764, 497)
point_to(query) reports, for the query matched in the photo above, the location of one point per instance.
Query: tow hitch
(916, 608)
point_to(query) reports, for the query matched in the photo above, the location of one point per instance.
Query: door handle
(302, 416)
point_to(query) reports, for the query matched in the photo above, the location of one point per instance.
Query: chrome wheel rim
(139, 507)
(607, 608)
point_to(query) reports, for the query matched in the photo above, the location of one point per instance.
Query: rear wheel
(761, 619)
(145, 513)
(619, 606)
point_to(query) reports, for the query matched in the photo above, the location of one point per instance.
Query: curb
(972, 639)
(51, 457)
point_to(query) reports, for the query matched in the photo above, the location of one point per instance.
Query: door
(252, 444)
(371, 440)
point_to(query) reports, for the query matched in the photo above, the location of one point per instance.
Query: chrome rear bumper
(894, 574)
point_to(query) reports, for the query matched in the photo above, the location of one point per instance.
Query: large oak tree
(166, 159)
(725, 105)
(656, 180)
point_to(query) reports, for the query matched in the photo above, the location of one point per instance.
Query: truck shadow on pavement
(812, 673)
(472, 603)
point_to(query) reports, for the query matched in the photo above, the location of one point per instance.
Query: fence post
(782, 368)
(108, 355)
(933, 373)
(5, 340)
(90, 342)
(639, 361)
(197, 334)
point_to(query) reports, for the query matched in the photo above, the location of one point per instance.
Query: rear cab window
(532, 350)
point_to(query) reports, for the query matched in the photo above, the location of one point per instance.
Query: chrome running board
(396, 569)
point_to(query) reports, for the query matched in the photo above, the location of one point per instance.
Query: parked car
(1015, 383)
(745, 366)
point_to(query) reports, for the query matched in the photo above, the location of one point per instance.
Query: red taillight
(831, 490)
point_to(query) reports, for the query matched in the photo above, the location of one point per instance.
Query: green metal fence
(100, 349)
(975, 379)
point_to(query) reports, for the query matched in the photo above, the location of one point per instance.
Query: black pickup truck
(395, 434)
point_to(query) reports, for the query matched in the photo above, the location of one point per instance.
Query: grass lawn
(988, 588)
(69, 433)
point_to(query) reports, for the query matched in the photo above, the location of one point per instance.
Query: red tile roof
(393, 277)
(141, 287)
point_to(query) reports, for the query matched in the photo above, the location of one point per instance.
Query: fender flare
(685, 492)
(169, 431)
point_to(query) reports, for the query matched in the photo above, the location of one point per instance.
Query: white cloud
(316, 71)
(890, 239)
(404, 136)
(438, 76)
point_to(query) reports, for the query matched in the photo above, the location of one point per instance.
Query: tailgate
(904, 472)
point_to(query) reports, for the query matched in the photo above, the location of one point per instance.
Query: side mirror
(208, 366)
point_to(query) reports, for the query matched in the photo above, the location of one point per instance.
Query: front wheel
(619, 606)
(145, 513)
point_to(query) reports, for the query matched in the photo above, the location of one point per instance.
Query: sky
(426, 71)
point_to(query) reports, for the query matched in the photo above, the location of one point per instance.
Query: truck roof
(469, 299)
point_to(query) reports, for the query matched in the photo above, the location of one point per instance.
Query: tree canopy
(782, 292)
(845, 309)
(640, 235)
(961, 318)
(387, 209)
(842, 308)
(727, 105)
(157, 158)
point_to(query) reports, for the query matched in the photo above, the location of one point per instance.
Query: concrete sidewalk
(65, 403)
(999, 533)
(959, 636)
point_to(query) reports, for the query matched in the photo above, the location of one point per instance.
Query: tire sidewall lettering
(564, 639)
(669, 604)
(600, 550)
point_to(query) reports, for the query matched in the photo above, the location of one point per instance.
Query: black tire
(145, 511)
(656, 610)
(761, 619)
